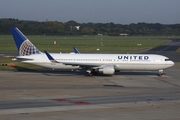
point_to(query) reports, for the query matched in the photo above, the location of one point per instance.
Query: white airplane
(92, 63)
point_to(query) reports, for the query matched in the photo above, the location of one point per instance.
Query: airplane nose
(172, 63)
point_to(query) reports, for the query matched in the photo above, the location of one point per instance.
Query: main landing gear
(90, 72)
(160, 73)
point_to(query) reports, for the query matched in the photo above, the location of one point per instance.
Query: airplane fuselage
(119, 61)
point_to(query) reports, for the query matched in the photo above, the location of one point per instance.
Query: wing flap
(81, 64)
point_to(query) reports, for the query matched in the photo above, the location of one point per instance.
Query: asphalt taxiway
(71, 95)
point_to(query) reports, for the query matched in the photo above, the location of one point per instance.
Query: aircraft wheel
(89, 74)
(94, 72)
(160, 73)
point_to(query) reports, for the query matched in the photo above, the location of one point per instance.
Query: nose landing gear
(160, 73)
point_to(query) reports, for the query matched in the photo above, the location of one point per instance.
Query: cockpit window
(167, 59)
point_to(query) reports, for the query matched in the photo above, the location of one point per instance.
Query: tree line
(74, 28)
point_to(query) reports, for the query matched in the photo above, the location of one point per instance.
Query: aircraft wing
(21, 59)
(83, 65)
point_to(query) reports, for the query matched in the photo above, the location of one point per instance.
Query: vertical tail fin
(25, 47)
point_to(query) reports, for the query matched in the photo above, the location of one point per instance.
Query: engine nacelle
(107, 70)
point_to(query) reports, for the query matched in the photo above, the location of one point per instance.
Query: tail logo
(27, 48)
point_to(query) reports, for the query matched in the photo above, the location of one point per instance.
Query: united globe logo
(27, 48)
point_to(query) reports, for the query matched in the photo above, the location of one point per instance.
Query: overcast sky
(96, 11)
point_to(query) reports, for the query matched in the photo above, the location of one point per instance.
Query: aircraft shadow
(137, 73)
(50, 72)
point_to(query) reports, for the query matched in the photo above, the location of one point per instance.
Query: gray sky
(96, 11)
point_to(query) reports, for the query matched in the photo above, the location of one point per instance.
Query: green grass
(86, 43)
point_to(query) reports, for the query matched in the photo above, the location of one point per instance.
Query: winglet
(76, 51)
(50, 57)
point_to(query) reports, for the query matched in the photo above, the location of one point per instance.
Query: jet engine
(107, 70)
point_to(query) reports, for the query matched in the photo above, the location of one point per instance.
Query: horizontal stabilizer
(22, 59)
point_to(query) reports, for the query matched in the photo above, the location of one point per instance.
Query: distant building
(124, 34)
(100, 34)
